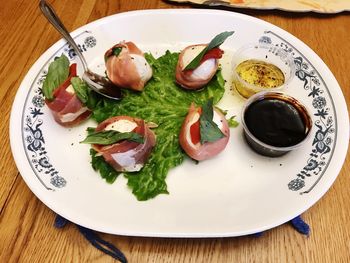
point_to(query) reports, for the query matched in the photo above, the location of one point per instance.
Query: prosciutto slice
(200, 76)
(126, 156)
(127, 67)
(190, 135)
(66, 107)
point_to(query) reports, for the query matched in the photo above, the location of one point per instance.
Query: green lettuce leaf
(162, 102)
(106, 171)
(57, 73)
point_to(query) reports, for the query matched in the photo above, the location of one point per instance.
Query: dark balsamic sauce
(107, 87)
(277, 121)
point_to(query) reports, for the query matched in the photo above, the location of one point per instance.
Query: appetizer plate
(318, 6)
(236, 193)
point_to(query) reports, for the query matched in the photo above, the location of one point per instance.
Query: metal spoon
(96, 82)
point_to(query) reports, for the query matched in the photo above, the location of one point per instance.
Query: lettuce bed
(162, 102)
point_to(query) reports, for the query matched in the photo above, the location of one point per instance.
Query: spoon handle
(51, 15)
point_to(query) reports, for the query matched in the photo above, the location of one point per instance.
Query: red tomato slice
(195, 132)
(213, 53)
(66, 83)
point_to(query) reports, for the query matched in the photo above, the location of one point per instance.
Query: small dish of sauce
(275, 123)
(261, 67)
(260, 73)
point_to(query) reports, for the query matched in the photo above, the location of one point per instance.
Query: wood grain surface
(26, 225)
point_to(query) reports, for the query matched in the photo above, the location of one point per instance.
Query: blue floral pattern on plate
(33, 137)
(324, 122)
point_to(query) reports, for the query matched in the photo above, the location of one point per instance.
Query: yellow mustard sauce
(257, 73)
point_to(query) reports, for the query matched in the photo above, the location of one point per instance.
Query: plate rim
(61, 42)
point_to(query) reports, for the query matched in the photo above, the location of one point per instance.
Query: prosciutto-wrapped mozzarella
(126, 155)
(201, 75)
(190, 136)
(127, 67)
(66, 107)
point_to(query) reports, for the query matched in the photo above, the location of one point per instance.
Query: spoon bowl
(96, 82)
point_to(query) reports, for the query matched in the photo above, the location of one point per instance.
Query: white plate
(236, 193)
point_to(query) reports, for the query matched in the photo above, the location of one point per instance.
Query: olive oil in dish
(257, 74)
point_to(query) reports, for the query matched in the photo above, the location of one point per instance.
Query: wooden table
(26, 225)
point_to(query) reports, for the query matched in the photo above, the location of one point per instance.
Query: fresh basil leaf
(232, 123)
(57, 73)
(84, 93)
(111, 136)
(224, 112)
(215, 42)
(81, 89)
(116, 51)
(209, 130)
(92, 99)
(106, 171)
(90, 130)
